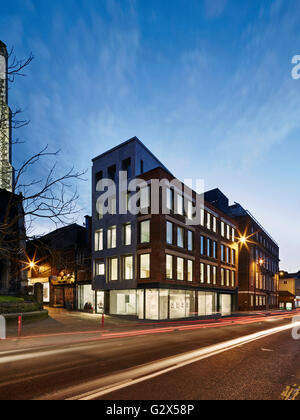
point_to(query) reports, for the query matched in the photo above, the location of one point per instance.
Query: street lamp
(243, 240)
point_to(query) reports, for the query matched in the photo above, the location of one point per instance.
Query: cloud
(214, 8)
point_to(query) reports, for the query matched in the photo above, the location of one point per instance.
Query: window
(127, 234)
(202, 214)
(169, 267)
(190, 270)
(227, 278)
(145, 197)
(208, 247)
(128, 268)
(233, 235)
(142, 166)
(208, 274)
(145, 232)
(228, 232)
(214, 275)
(190, 240)
(99, 240)
(126, 167)
(190, 211)
(170, 199)
(180, 269)
(222, 277)
(215, 250)
(222, 252)
(233, 279)
(145, 266)
(208, 221)
(112, 237)
(100, 268)
(98, 177)
(180, 209)
(233, 257)
(126, 200)
(112, 171)
(215, 224)
(100, 211)
(113, 269)
(180, 237)
(202, 245)
(223, 229)
(228, 255)
(202, 273)
(112, 206)
(169, 233)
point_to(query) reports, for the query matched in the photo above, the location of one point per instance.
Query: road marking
(107, 385)
(291, 393)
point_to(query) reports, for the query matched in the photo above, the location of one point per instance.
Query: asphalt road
(259, 369)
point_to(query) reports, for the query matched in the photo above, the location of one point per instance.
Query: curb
(25, 315)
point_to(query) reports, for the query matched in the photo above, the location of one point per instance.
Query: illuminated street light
(243, 240)
(261, 262)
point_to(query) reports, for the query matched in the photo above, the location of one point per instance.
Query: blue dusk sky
(205, 84)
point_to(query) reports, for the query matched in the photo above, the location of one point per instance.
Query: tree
(51, 196)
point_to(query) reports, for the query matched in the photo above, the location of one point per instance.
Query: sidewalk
(61, 321)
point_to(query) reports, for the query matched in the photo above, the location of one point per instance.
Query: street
(180, 361)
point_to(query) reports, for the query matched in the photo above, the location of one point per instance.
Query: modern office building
(258, 257)
(153, 264)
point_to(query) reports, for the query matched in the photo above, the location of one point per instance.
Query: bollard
(19, 326)
(102, 320)
(2, 328)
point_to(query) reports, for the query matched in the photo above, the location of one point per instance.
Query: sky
(205, 84)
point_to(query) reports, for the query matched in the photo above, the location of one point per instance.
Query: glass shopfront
(123, 302)
(163, 304)
(88, 300)
(225, 304)
(182, 304)
(207, 303)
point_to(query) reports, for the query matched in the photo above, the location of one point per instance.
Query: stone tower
(6, 170)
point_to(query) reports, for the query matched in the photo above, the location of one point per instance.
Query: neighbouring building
(13, 277)
(289, 290)
(156, 266)
(61, 261)
(258, 257)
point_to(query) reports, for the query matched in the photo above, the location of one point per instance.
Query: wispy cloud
(214, 8)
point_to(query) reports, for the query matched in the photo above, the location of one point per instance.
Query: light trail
(149, 371)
